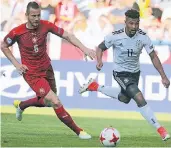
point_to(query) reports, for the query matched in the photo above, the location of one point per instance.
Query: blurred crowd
(93, 19)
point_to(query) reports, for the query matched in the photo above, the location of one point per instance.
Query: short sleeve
(148, 45)
(108, 40)
(11, 37)
(54, 29)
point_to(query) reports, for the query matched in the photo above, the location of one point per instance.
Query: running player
(127, 45)
(36, 66)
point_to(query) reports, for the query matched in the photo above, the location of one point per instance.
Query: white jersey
(127, 50)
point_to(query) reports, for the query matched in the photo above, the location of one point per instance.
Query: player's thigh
(53, 98)
(136, 94)
(121, 79)
(126, 80)
(39, 85)
(50, 77)
(129, 84)
(123, 97)
(132, 86)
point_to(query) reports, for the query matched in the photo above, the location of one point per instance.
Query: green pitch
(48, 131)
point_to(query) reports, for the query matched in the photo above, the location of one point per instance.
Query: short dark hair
(33, 5)
(132, 13)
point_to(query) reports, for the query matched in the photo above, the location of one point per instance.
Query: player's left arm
(156, 62)
(72, 39)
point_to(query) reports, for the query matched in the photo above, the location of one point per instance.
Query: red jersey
(32, 45)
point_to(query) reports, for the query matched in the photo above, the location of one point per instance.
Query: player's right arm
(156, 61)
(106, 44)
(8, 41)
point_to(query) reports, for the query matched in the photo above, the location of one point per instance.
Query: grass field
(47, 131)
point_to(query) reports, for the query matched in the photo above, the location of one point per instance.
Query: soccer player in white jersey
(127, 45)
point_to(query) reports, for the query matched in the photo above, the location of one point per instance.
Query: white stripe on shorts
(120, 82)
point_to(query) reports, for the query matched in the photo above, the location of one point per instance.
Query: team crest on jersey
(126, 80)
(139, 44)
(34, 40)
(9, 41)
(42, 91)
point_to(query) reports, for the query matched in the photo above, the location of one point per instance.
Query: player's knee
(53, 99)
(47, 103)
(54, 90)
(132, 90)
(141, 104)
(139, 99)
(56, 102)
(123, 98)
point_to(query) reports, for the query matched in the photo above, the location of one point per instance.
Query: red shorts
(42, 84)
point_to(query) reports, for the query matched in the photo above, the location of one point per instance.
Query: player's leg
(145, 110)
(36, 101)
(129, 81)
(64, 116)
(22, 105)
(60, 111)
(125, 96)
(92, 85)
(113, 92)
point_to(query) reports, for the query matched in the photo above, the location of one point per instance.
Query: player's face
(34, 17)
(132, 25)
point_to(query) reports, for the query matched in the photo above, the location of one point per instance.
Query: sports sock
(148, 114)
(112, 92)
(64, 116)
(32, 102)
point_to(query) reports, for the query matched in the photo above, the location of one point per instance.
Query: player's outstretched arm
(7, 52)
(73, 40)
(157, 64)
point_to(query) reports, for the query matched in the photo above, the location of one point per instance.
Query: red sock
(64, 116)
(32, 102)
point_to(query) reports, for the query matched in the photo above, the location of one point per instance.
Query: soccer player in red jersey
(36, 66)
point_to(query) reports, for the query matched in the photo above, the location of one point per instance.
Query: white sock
(112, 92)
(148, 114)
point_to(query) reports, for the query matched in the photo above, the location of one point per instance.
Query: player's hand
(166, 82)
(90, 53)
(21, 68)
(99, 66)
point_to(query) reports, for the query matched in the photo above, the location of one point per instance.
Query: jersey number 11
(130, 52)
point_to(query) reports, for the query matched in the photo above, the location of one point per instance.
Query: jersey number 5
(130, 52)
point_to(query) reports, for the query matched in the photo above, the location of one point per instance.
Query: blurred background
(90, 21)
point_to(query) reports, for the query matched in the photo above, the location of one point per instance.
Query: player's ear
(27, 13)
(126, 19)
